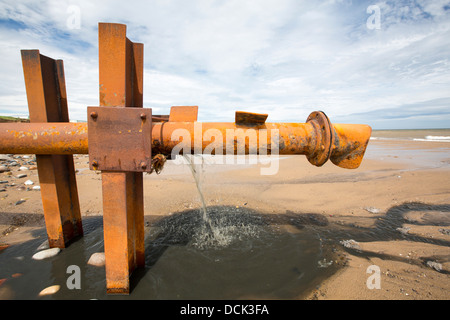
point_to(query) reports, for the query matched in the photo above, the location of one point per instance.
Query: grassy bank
(12, 119)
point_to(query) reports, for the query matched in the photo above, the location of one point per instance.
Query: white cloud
(283, 57)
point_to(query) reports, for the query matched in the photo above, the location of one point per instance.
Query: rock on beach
(97, 259)
(49, 290)
(44, 254)
(435, 265)
(351, 244)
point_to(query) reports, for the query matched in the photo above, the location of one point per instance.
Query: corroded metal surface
(346, 146)
(121, 85)
(183, 114)
(249, 118)
(119, 139)
(44, 138)
(324, 137)
(47, 102)
(350, 144)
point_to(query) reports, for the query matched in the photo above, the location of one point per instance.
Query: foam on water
(434, 138)
(217, 229)
(225, 229)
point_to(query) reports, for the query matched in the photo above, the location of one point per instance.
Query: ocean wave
(427, 138)
(446, 138)
(382, 138)
(435, 139)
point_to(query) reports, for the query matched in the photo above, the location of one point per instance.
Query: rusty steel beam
(121, 77)
(47, 102)
(347, 149)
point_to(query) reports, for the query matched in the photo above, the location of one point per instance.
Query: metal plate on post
(120, 139)
(183, 113)
(250, 118)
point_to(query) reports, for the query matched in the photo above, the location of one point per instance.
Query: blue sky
(286, 58)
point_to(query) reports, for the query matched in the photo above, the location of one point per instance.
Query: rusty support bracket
(183, 114)
(250, 118)
(120, 139)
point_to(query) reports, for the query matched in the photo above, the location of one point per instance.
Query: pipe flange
(324, 138)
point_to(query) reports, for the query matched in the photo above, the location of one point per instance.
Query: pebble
(4, 157)
(23, 175)
(403, 231)
(372, 209)
(19, 202)
(28, 183)
(37, 188)
(3, 181)
(351, 244)
(97, 259)
(324, 263)
(50, 290)
(23, 169)
(4, 168)
(44, 254)
(435, 265)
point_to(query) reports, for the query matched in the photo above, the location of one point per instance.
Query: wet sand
(396, 208)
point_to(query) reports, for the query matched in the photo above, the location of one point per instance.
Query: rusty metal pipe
(44, 138)
(294, 138)
(348, 144)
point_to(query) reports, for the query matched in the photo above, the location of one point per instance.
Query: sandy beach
(402, 186)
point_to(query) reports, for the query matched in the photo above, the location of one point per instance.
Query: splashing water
(197, 171)
(218, 231)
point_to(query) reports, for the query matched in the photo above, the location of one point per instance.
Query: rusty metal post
(47, 102)
(121, 76)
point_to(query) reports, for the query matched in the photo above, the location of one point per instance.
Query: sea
(430, 135)
(420, 148)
